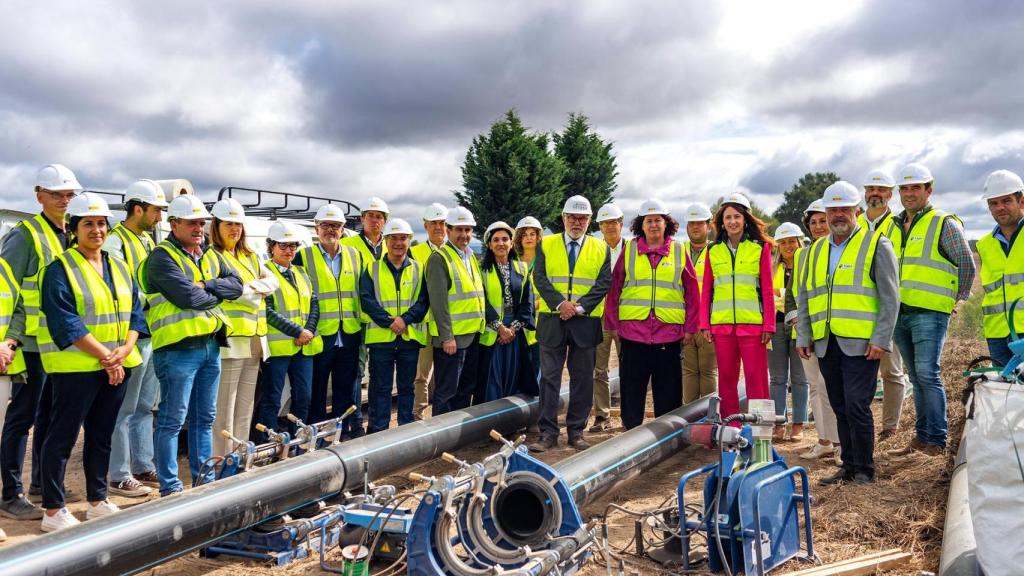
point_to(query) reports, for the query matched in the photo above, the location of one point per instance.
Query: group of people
(98, 320)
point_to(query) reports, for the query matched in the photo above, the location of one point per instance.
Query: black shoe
(580, 443)
(600, 424)
(20, 509)
(862, 478)
(838, 478)
(356, 433)
(543, 445)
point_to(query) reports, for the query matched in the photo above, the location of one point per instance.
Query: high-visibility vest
(465, 295)
(107, 316)
(492, 289)
(576, 284)
(396, 302)
(927, 279)
(169, 324)
(420, 253)
(134, 248)
(698, 264)
(244, 317)
(736, 296)
(1002, 278)
(9, 291)
(846, 304)
(800, 274)
(47, 247)
(359, 244)
(659, 289)
(531, 334)
(292, 302)
(338, 297)
(779, 283)
(862, 221)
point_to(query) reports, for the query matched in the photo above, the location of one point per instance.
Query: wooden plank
(815, 569)
(859, 566)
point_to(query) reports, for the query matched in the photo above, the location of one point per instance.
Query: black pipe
(150, 534)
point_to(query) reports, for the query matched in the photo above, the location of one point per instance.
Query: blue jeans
(188, 389)
(299, 370)
(920, 336)
(999, 350)
(787, 371)
(131, 447)
(385, 362)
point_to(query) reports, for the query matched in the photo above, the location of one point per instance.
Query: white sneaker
(59, 521)
(105, 508)
(817, 451)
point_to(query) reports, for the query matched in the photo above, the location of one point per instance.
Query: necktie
(573, 253)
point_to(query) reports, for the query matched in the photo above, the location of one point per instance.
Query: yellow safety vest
(779, 283)
(576, 284)
(292, 302)
(338, 297)
(47, 247)
(531, 334)
(736, 296)
(492, 289)
(169, 324)
(135, 249)
(1002, 278)
(800, 274)
(106, 316)
(927, 279)
(698, 264)
(360, 246)
(465, 295)
(659, 289)
(396, 302)
(244, 317)
(420, 253)
(9, 291)
(862, 221)
(846, 304)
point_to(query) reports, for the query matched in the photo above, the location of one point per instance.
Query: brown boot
(796, 434)
(779, 434)
(913, 445)
(933, 450)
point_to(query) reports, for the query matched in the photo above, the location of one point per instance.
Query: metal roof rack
(273, 205)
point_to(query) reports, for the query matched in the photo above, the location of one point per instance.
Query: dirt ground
(904, 509)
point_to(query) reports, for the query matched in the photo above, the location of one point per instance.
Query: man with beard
(1002, 263)
(700, 367)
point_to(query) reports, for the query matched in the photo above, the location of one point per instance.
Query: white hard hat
(609, 212)
(88, 204)
(840, 194)
(737, 198)
(879, 178)
(529, 222)
(577, 205)
(377, 204)
(58, 178)
(284, 232)
(329, 213)
(434, 212)
(1002, 183)
(816, 206)
(653, 206)
(147, 192)
(187, 207)
(460, 216)
(697, 212)
(914, 173)
(228, 210)
(397, 226)
(499, 225)
(788, 230)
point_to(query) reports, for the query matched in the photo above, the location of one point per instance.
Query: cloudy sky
(358, 98)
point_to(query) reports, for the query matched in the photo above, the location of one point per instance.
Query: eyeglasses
(60, 195)
(578, 217)
(291, 246)
(332, 226)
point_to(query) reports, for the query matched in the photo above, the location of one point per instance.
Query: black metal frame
(287, 204)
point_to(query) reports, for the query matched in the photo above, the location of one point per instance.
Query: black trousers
(30, 405)
(80, 399)
(657, 363)
(580, 361)
(850, 381)
(455, 378)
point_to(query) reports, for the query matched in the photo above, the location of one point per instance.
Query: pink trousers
(731, 350)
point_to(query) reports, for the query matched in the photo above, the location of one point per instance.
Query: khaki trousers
(824, 417)
(235, 398)
(700, 369)
(602, 388)
(894, 386)
(424, 383)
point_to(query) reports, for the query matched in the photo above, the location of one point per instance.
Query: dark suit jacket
(583, 331)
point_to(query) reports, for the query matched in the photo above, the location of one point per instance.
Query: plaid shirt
(953, 246)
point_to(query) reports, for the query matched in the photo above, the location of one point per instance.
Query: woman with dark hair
(738, 301)
(653, 288)
(528, 235)
(503, 364)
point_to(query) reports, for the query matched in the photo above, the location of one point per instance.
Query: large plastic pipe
(959, 548)
(155, 532)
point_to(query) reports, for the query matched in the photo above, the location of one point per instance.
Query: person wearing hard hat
(247, 325)
(878, 188)
(28, 248)
(393, 295)
(335, 268)
(786, 372)
(737, 301)
(433, 223)
(936, 271)
(92, 318)
(132, 470)
(456, 292)
(816, 223)
(572, 273)
(529, 233)
(1002, 263)
(846, 310)
(651, 308)
(610, 220)
(292, 316)
(12, 361)
(700, 367)
(185, 285)
(504, 367)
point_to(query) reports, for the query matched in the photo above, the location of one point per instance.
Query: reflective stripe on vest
(495, 297)
(575, 285)
(338, 298)
(47, 246)
(359, 245)
(292, 302)
(9, 292)
(698, 264)
(927, 279)
(848, 305)
(169, 324)
(659, 290)
(134, 249)
(245, 318)
(420, 253)
(396, 302)
(465, 295)
(1002, 279)
(736, 297)
(106, 316)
